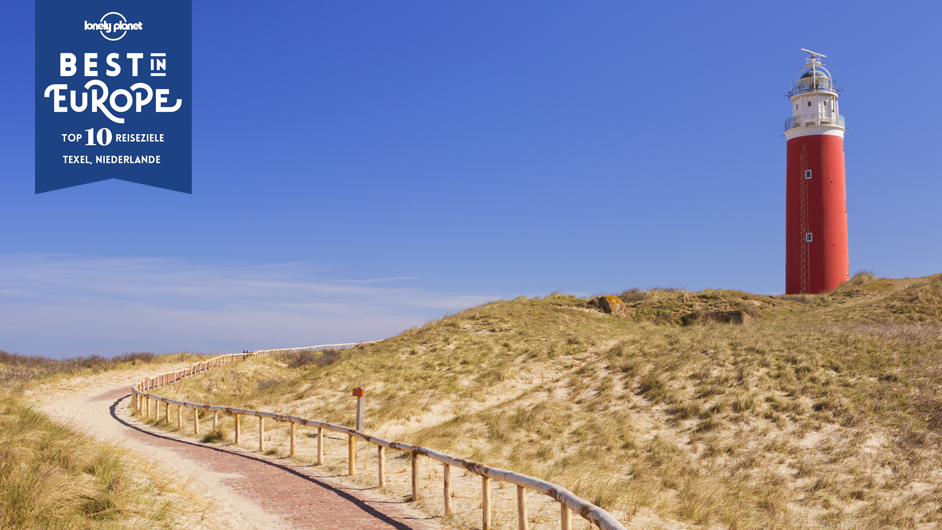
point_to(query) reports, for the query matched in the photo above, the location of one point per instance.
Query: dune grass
(18, 371)
(53, 477)
(822, 412)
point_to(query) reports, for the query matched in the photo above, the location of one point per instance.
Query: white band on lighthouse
(810, 131)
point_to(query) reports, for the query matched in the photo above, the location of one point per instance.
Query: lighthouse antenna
(814, 55)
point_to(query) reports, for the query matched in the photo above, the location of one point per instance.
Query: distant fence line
(321, 347)
(567, 500)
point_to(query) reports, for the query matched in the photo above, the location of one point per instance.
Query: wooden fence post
(167, 412)
(238, 430)
(415, 477)
(320, 445)
(294, 429)
(196, 420)
(215, 420)
(351, 455)
(565, 517)
(361, 400)
(447, 489)
(522, 519)
(382, 466)
(179, 417)
(486, 502)
(261, 434)
(148, 408)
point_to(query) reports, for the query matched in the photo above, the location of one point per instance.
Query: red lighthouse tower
(816, 201)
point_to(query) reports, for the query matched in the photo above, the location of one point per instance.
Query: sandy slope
(91, 404)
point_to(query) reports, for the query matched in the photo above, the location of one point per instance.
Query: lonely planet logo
(111, 23)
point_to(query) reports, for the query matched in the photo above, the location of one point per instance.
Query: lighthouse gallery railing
(802, 88)
(807, 120)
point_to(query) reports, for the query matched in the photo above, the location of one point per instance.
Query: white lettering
(57, 97)
(113, 63)
(75, 107)
(98, 103)
(67, 64)
(90, 64)
(146, 88)
(161, 93)
(135, 57)
(128, 100)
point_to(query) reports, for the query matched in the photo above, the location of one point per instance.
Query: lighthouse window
(808, 237)
(807, 173)
(809, 103)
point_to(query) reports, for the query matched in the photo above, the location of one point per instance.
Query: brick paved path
(298, 494)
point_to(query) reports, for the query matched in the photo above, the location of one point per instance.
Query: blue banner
(114, 93)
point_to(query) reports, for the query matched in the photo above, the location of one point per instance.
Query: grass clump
(214, 436)
(52, 477)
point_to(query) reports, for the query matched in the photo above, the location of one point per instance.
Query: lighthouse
(816, 259)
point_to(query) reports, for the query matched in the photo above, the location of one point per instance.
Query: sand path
(245, 490)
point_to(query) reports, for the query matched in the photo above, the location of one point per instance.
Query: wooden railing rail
(568, 501)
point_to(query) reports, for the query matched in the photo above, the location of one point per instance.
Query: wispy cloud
(64, 305)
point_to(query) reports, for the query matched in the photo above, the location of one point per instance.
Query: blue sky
(363, 167)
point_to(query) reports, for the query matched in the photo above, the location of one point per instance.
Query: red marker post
(361, 403)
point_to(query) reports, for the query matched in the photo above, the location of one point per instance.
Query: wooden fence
(321, 347)
(568, 502)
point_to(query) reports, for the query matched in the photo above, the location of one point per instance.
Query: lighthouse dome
(814, 76)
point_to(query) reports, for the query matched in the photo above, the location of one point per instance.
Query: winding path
(250, 491)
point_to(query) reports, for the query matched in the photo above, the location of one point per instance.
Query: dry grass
(824, 411)
(18, 371)
(52, 477)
